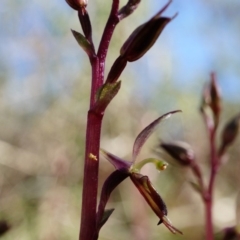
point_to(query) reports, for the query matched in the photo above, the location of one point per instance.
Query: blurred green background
(44, 90)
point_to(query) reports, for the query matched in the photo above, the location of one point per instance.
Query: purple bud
(128, 9)
(77, 4)
(85, 23)
(180, 151)
(215, 96)
(229, 133)
(116, 69)
(143, 37)
(212, 100)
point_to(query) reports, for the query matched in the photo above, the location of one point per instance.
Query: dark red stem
(91, 164)
(93, 132)
(107, 35)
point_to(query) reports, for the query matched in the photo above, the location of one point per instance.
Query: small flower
(142, 182)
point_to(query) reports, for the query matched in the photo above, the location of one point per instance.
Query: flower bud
(116, 69)
(180, 151)
(128, 9)
(211, 100)
(143, 37)
(77, 4)
(85, 23)
(230, 132)
(215, 96)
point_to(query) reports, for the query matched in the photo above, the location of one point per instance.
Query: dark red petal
(150, 194)
(153, 199)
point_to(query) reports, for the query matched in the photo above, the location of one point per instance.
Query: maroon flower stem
(93, 132)
(107, 35)
(90, 179)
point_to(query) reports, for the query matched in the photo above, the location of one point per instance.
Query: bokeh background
(44, 92)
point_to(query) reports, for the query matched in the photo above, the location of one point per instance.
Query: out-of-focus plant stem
(208, 196)
(93, 132)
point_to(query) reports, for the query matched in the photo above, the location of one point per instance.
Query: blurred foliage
(44, 87)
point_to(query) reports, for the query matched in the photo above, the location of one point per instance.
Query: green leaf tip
(105, 95)
(83, 43)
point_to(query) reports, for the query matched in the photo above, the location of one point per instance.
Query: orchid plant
(132, 169)
(102, 92)
(182, 152)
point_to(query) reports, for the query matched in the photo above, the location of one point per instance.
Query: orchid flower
(131, 169)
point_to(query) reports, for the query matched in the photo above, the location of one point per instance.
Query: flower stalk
(184, 155)
(100, 96)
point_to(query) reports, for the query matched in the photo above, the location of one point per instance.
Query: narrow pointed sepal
(119, 163)
(169, 225)
(84, 43)
(146, 133)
